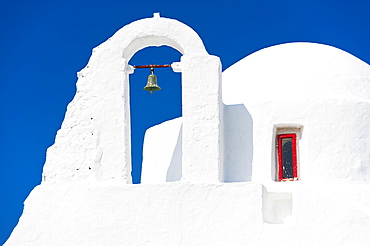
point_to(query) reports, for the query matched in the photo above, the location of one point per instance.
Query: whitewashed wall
(94, 140)
(320, 87)
(328, 94)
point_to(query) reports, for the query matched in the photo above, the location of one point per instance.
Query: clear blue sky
(44, 43)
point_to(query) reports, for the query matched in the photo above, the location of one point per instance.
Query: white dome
(301, 69)
(323, 89)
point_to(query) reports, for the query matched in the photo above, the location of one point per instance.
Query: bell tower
(85, 197)
(94, 140)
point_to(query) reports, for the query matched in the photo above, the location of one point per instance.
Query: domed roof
(296, 71)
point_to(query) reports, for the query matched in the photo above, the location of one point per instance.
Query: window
(286, 152)
(287, 157)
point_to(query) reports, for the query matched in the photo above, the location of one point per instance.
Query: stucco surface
(177, 213)
(322, 88)
(165, 214)
(219, 158)
(94, 140)
(163, 162)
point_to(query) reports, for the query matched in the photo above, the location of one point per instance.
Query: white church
(273, 151)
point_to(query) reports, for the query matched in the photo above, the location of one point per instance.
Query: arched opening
(102, 103)
(147, 110)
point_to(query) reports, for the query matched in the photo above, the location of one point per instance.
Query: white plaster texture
(322, 89)
(180, 213)
(162, 162)
(163, 214)
(319, 87)
(94, 140)
(321, 93)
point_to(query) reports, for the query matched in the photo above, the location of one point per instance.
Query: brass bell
(152, 82)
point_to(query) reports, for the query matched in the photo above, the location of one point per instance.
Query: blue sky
(44, 43)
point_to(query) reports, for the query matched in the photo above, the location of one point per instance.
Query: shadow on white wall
(238, 144)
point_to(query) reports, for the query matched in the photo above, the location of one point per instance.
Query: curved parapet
(94, 140)
(158, 31)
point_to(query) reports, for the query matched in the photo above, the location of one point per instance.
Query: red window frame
(280, 156)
